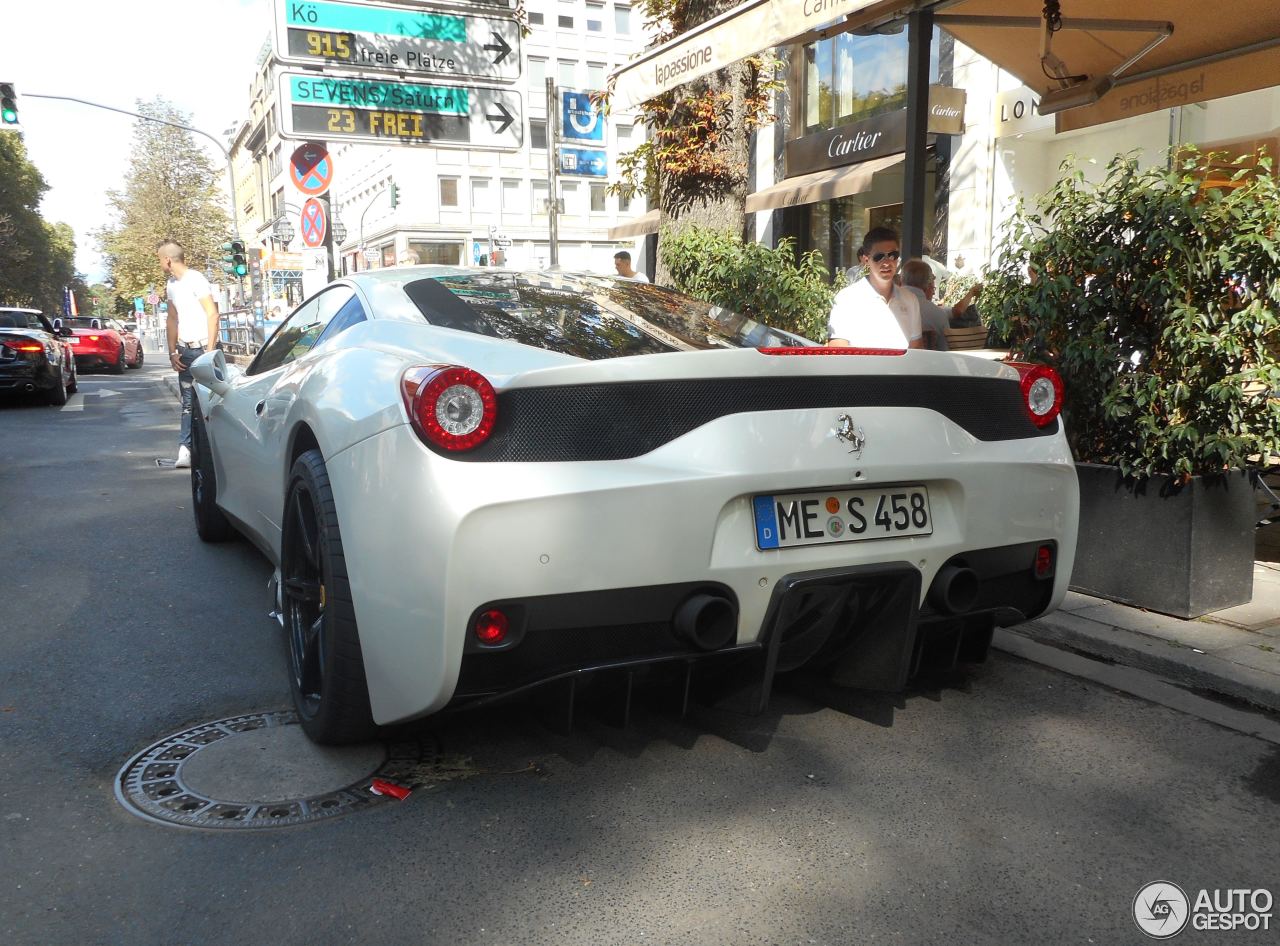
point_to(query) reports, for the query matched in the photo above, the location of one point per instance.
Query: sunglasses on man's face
(892, 254)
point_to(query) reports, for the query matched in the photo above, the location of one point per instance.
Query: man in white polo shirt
(873, 312)
(192, 329)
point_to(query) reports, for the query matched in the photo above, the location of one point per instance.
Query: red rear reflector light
(837, 350)
(491, 627)
(1041, 392)
(23, 345)
(1044, 561)
(449, 406)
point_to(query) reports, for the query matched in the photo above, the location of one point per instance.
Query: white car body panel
(428, 538)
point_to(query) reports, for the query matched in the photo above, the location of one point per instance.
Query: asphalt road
(1011, 804)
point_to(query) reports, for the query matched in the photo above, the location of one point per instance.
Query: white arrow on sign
(415, 43)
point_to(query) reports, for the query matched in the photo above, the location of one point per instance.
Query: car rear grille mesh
(628, 419)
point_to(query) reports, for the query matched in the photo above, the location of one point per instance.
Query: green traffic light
(9, 116)
(241, 269)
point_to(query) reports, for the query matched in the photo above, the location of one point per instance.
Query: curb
(1176, 663)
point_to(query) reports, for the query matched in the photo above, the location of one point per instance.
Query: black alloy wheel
(211, 524)
(326, 667)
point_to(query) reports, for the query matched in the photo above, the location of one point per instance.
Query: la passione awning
(641, 226)
(820, 185)
(1215, 49)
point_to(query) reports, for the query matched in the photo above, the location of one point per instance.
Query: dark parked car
(34, 356)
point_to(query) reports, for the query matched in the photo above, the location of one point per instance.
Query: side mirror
(210, 369)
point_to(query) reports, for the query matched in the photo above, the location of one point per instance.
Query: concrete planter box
(1181, 550)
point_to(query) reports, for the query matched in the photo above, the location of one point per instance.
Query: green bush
(1157, 300)
(764, 284)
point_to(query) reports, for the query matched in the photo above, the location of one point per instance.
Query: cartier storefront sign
(874, 137)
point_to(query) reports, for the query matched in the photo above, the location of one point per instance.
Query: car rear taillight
(23, 344)
(491, 627)
(1041, 392)
(834, 350)
(94, 338)
(1043, 567)
(451, 407)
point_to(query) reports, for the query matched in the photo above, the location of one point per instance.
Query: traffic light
(8, 106)
(255, 273)
(395, 196)
(234, 260)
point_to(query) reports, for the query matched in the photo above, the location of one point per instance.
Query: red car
(98, 343)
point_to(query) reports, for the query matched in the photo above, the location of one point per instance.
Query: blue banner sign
(580, 118)
(587, 162)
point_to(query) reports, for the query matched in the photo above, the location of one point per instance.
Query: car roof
(399, 275)
(14, 308)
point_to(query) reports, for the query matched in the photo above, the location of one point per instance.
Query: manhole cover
(258, 771)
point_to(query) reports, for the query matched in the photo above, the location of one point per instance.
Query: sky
(198, 55)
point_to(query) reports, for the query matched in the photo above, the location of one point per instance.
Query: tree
(171, 193)
(37, 259)
(695, 161)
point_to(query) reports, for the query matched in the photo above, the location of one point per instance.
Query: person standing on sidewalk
(191, 329)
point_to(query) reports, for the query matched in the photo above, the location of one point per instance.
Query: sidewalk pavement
(1233, 653)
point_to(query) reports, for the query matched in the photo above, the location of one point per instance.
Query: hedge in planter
(772, 286)
(1157, 299)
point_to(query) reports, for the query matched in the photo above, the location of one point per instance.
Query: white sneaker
(184, 458)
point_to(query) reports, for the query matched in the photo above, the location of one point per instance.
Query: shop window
(848, 78)
(440, 254)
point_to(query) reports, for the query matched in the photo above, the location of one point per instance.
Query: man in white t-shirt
(192, 329)
(873, 312)
(622, 263)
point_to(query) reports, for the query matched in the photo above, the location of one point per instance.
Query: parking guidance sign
(414, 43)
(386, 112)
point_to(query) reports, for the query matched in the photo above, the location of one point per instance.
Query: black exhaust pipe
(709, 622)
(954, 590)
(29, 388)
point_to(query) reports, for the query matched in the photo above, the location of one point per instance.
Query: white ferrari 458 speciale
(476, 482)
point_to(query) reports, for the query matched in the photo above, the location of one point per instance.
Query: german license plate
(845, 515)
(74, 340)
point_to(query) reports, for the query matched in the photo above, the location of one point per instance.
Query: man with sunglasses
(874, 312)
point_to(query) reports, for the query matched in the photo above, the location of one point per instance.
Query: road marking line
(74, 403)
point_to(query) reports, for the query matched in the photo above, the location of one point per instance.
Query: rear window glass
(586, 316)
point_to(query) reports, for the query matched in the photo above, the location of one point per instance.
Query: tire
(118, 367)
(75, 379)
(137, 362)
(57, 395)
(211, 524)
(326, 666)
